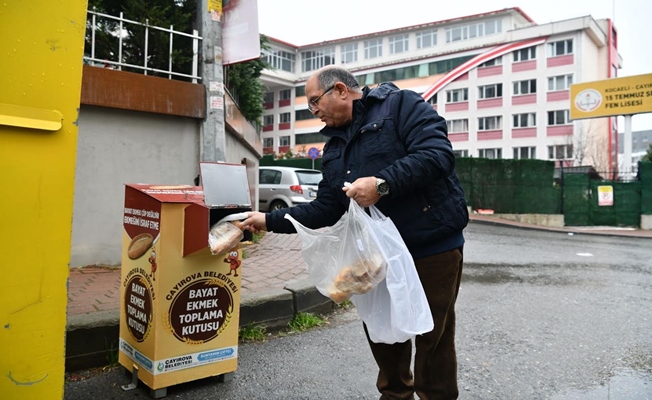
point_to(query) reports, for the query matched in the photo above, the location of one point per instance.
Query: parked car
(281, 187)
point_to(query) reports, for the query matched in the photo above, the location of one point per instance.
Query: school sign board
(616, 96)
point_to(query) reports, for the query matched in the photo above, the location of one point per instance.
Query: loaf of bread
(224, 236)
(361, 276)
(337, 295)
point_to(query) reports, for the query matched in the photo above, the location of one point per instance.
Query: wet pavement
(541, 315)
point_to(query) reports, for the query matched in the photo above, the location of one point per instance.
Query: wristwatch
(382, 187)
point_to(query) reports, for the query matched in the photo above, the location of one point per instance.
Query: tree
(243, 82)
(648, 157)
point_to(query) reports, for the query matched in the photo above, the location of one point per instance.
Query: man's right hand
(255, 222)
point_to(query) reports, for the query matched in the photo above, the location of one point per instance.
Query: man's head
(330, 92)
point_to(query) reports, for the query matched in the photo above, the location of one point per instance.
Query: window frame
(526, 54)
(317, 58)
(530, 150)
(373, 44)
(567, 48)
(530, 120)
(349, 53)
(517, 86)
(402, 41)
(498, 87)
(285, 117)
(497, 150)
(483, 123)
(431, 36)
(452, 123)
(555, 115)
(567, 78)
(454, 93)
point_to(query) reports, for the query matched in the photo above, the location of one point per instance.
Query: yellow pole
(40, 82)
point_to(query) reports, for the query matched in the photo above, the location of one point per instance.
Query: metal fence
(120, 28)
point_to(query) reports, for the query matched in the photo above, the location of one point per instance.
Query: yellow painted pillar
(41, 49)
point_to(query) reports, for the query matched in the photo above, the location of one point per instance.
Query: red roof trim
(477, 60)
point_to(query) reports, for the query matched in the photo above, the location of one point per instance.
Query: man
(393, 147)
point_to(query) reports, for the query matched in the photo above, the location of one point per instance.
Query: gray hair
(330, 76)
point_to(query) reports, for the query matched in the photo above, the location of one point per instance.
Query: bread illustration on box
(139, 245)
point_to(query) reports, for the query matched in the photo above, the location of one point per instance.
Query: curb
(92, 339)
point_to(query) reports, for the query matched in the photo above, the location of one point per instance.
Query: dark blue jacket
(396, 136)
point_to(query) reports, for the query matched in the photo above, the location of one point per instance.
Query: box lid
(225, 185)
(171, 193)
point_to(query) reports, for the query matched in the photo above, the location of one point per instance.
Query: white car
(281, 187)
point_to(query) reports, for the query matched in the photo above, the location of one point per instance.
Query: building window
(490, 123)
(300, 91)
(560, 48)
(309, 138)
(525, 54)
(349, 53)
(426, 39)
(284, 141)
(285, 117)
(457, 125)
(268, 142)
(490, 91)
(313, 60)
(490, 153)
(559, 117)
(560, 152)
(461, 153)
(300, 115)
(285, 94)
(561, 82)
(280, 59)
(525, 120)
(491, 63)
(433, 100)
(269, 97)
(373, 48)
(399, 44)
(470, 31)
(268, 120)
(457, 95)
(525, 87)
(524, 153)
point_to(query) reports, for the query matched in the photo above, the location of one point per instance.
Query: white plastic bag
(344, 259)
(396, 308)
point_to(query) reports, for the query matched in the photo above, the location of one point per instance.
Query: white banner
(240, 36)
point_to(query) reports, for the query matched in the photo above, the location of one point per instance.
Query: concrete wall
(117, 147)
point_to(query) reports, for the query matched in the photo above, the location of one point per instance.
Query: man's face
(331, 105)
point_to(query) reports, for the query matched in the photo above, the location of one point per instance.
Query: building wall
(117, 147)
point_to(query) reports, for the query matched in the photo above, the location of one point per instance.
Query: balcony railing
(97, 21)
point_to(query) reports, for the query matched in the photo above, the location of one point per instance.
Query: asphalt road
(541, 315)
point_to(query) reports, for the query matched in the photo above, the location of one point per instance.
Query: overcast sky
(304, 22)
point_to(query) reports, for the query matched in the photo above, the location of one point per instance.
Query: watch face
(383, 188)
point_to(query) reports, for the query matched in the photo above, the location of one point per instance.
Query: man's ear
(341, 90)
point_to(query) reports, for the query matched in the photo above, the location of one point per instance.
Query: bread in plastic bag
(343, 259)
(223, 236)
(364, 258)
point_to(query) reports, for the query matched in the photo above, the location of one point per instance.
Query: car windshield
(308, 177)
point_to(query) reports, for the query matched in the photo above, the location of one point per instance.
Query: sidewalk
(275, 285)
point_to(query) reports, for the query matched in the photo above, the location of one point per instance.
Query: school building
(500, 79)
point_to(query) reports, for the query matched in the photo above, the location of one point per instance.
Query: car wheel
(277, 205)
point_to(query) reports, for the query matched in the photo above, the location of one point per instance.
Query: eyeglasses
(312, 103)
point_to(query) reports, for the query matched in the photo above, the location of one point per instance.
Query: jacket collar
(379, 93)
